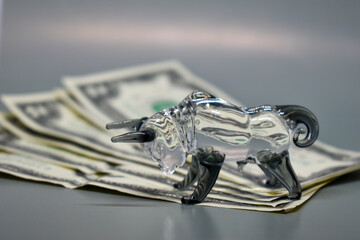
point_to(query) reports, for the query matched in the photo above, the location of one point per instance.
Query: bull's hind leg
(278, 165)
(271, 179)
(210, 162)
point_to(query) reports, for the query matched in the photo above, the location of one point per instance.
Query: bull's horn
(136, 137)
(123, 124)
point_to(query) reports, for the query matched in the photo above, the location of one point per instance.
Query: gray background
(278, 52)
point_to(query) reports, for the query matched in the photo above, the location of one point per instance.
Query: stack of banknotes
(59, 137)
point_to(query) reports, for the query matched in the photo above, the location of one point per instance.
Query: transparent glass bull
(260, 135)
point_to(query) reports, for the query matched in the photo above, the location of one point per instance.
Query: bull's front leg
(192, 175)
(208, 162)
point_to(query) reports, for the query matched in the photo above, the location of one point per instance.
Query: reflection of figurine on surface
(262, 135)
(190, 223)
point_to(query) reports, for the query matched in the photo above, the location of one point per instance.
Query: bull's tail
(295, 115)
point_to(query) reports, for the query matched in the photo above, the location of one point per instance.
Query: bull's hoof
(189, 200)
(294, 196)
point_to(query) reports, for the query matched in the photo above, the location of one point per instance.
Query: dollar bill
(22, 165)
(150, 175)
(11, 123)
(25, 166)
(65, 129)
(71, 101)
(91, 165)
(86, 161)
(28, 167)
(61, 157)
(136, 92)
(260, 188)
(47, 114)
(116, 95)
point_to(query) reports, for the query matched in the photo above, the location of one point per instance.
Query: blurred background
(275, 52)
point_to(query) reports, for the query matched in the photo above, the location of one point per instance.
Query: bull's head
(159, 136)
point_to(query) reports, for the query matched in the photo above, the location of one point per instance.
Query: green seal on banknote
(164, 104)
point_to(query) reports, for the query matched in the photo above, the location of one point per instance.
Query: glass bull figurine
(260, 135)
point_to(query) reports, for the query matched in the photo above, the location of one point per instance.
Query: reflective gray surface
(278, 52)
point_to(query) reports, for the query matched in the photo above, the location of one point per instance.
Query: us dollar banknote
(62, 132)
(140, 173)
(61, 157)
(12, 124)
(25, 160)
(47, 114)
(331, 164)
(92, 165)
(136, 92)
(28, 167)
